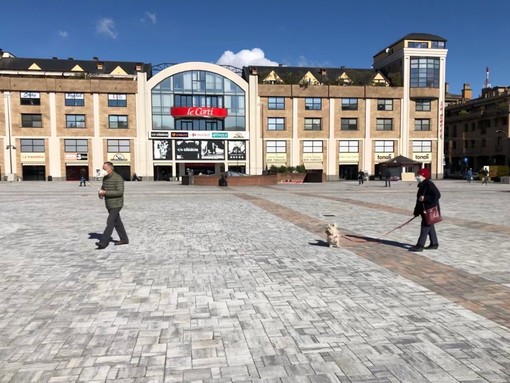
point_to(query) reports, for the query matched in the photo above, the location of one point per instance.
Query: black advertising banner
(187, 150)
(237, 150)
(213, 149)
(162, 149)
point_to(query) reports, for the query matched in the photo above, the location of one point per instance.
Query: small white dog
(333, 235)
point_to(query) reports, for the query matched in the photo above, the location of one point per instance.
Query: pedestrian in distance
(485, 176)
(112, 190)
(361, 177)
(83, 179)
(387, 178)
(428, 196)
(469, 175)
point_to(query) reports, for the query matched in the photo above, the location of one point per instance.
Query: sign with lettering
(198, 112)
(381, 157)
(422, 157)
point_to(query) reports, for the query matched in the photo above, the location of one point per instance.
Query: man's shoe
(432, 247)
(416, 248)
(101, 245)
(121, 242)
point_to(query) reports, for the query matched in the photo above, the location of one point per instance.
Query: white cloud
(245, 57)
(63, 34)
(152, 17)
(106, 27)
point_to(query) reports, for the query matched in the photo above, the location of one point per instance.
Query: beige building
(341, 120)
(477, 132)
(63, 118)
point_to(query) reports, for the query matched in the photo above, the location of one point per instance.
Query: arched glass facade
(198, 88)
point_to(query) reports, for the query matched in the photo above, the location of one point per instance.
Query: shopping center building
(63, 117)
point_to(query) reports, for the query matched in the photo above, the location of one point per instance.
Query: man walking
(112, 191)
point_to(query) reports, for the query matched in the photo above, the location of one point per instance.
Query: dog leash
(398, 227)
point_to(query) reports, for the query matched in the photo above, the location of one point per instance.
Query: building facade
(477, 132)
(65, 117)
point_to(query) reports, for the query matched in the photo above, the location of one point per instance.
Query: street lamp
(10, 146)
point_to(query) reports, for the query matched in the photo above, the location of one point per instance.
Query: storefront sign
(162, 149)
(348, 158)
(199, 112)
(33, 157)
(119, 157)
(276, 158)
(163, 134)
(312, 157)
(383, 157)
(76, 156)
(422, 157)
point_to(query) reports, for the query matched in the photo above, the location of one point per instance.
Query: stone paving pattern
(237, 285)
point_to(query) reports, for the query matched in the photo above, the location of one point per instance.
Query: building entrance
(73, 173)
(34, 173)
(348, 172)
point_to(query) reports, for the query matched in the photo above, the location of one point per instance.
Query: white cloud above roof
(245, 57)
(106, 27)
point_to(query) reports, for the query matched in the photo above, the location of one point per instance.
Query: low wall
(236, 180)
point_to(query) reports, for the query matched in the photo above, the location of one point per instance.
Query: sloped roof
(400, 161)
(70, 65)
(326, 76)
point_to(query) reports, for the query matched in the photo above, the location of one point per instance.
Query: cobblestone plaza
(237, 285)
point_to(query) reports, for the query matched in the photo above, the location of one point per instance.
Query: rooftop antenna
(487, 83)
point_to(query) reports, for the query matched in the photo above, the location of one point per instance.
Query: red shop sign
(198, 112)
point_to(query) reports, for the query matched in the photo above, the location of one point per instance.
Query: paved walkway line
(487, 227)
(483, 297)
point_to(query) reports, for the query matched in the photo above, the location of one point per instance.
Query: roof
(415, 36)
(326, 76)
(70, 65)
(400, 161)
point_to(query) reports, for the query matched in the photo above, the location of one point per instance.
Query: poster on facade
(187, 150)
(213, 149)
(236, 150)
(162, 149)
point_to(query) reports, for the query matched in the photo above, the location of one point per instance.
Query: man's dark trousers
(114, 222)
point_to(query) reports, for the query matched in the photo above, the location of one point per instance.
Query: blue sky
(325, 33)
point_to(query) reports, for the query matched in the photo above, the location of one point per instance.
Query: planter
(290, 178)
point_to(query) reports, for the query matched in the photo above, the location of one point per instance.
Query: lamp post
(10, 146)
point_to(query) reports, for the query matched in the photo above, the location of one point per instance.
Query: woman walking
(427, 197)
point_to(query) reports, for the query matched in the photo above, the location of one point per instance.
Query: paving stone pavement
(236, 285)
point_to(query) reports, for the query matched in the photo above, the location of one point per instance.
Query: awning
(32, 164)
(314, 165)
(77, 164)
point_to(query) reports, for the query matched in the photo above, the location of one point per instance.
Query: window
(348, 147)
(30, 98)
(73, 146)
(31, 120)
(118, 146)
(313, 124)
(423, 105)
(75, 121)
(349, 104)
(349, 124)
(117, 121)
(312, 146)
(276, 123)
(276, 103)
(117, 100)
(384, 124)
(32, 145)
(424, 72)
(198, 100)
(384, 146)
(438, 44)
(276, 146)
(384, 104)
(313, 103)
(422, 124)
(74, 99)
(422, 146)
(417, 44)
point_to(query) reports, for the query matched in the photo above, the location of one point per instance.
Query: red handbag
(432, 215)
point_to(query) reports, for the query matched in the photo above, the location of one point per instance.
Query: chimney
(467, 93)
